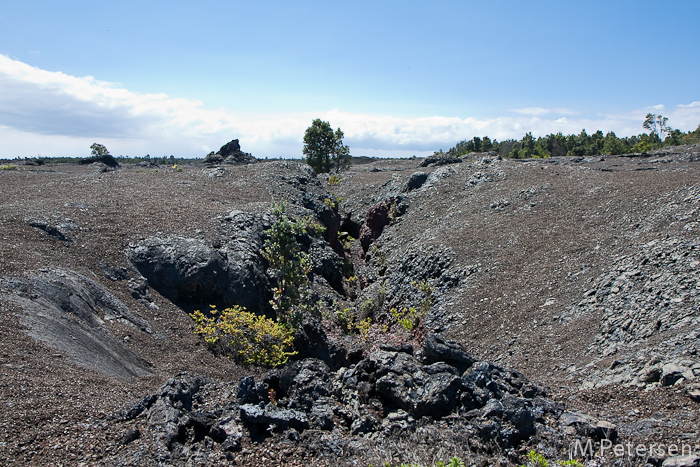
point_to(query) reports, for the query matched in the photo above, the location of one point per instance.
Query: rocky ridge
(388, 398)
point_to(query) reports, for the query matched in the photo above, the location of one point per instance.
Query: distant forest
(583, 144)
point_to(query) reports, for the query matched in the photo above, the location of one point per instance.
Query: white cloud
(538, 111)
(531, 111)
(54, 114)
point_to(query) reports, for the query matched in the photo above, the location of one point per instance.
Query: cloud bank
(55, 114)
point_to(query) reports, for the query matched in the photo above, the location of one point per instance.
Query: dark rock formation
(106, 159)
(58, 231)
(190, 272)
(378, 217)
(230, 153)
(416, 181)
(440, 159)
(437, 349)
(390, 393)
(585, 425)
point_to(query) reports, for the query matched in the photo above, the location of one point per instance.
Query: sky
(400, 78)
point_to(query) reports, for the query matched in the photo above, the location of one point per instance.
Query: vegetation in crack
(289, 266)
(254, 339)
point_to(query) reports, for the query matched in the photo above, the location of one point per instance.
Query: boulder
(682, 461)
(670, 373)
(190, 272)
(440, 159)
(438, 349)
(57, 231)
(416, 181)
(303, 382)
(585, 425)
(403, 381)
(261, 418)
(230, 153)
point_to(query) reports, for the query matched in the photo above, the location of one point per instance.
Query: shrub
(289, 265)
(346, 318)
(408, 318)
(247, 337)
(8, 167)
(453, 462)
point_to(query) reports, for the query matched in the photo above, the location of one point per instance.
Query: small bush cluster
(453, 462)
(8, 167)
(409, 318)
(535, 459)
(245, 336)
(345, 318)
(253, 339)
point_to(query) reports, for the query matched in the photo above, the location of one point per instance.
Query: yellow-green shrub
(245, 336)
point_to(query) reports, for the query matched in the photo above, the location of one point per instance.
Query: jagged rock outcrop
(230, 153)
(298, 185)
(378, 217)
(391, 392)
(191, 272)
(437, 160)
(61, 230)
(107, 159)
(416, 181)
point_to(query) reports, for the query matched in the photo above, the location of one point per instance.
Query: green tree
(612, 144)
(692, 136)
(324, 148)
(99, 150)
(341, 153)
(528, 147)
(657, 126)
(674, 138)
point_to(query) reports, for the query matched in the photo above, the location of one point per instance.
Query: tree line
(660, 135)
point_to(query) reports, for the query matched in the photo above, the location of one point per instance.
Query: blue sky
(400, 78)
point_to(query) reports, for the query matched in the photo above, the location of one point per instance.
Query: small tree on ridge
(324, 149)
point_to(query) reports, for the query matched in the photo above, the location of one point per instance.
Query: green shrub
(408, 318)
(289, 265)
(453, 462)
(347, 319)
(245, 336)
(8, 167)
(572, 463)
